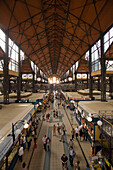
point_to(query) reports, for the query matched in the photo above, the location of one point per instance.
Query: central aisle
(51, 160)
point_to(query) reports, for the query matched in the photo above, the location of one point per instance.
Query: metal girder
(91, 78)
(33, 26)
(46, 33)
(38, 50)
(35, 36)
(103, 71)
(6, 74)
(80, 19)
(18, 24)
(77, 26)
(67, 6)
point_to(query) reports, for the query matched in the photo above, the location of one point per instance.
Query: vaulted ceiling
(54, 34)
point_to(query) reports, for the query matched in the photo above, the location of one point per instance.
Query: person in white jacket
(20, 153)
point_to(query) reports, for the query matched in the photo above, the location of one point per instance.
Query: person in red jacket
(73, 133)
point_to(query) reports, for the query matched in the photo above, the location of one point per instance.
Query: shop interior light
(89, 119)
(99, 123)
(72, 101)
(26, 125)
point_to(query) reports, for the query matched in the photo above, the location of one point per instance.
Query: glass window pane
(2, 40)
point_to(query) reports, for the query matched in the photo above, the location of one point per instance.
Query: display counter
(12, 154)
(99, 162)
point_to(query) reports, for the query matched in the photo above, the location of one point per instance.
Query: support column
(72, 74)
(75, 81)
(87, 82)
(6, 75)
(111, 86)
(98, 84)
(19, 79)
(9, 85)
(33, 83)
(103, 71)
(91, 78)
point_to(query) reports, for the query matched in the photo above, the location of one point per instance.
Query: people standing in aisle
(71, 155)
(24, 141)
(73, 133)
(54, 130)
(77, 166)
(29, 140)
(24, 166)
(47, 117)
(83, 131)
(64, 160)
(20, 153)
(54, 113)
(70, 143)
(48, 141)
(35, 129)
(37, 119)
(44, 142)
(58, 128)
(80, 133)
(35, 141)
(86, 133)
(63, 127)
(76, 132)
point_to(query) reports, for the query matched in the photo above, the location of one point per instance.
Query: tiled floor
(57, 148)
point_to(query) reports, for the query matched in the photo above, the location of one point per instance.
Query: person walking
(24, 166)
(63, 127)
(24, 141)
(64, 160)
(20, 153)
(54, 130)
(48, 141)
(73, 133)
(58, 128)
(77, 166)
(71, 155)
(80, 133)
(70, 143)
(44, 142)
(86, 133)
(35, 141)
(76, 132)
(29, 140)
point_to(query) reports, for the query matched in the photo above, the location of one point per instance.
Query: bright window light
(39, 79)
(54, 79)
(51, 81)
(57, 82)
(70, 78)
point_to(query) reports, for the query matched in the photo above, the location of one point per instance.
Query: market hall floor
(42, 160)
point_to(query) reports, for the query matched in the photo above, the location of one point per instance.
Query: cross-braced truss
(54, 34)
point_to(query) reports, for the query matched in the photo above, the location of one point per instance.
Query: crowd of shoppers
(81, 131)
